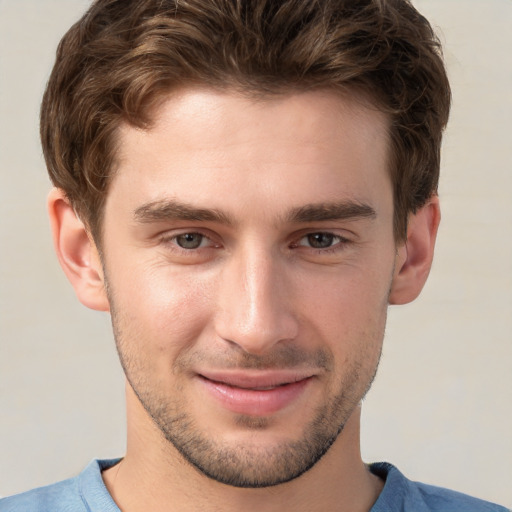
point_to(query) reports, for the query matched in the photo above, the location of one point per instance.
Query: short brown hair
(122, 56)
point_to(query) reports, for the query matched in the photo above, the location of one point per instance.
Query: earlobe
(77, 252)
(414, 257)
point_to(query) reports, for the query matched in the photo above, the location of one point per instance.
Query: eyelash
(172, 240)
(339, 245)
(340, 242)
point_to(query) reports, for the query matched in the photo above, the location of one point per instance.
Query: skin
(247, 237)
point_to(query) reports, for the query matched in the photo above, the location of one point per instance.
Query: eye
(320, 240)
(191, 240)
(189, 247)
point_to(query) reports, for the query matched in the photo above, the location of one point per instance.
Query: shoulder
(442, 499)
(62, 496)
(402, 494)
(83, 493)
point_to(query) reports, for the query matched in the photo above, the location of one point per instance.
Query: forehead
(312, 116)
(207, 146)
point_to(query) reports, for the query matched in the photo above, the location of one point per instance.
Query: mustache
(281, 357)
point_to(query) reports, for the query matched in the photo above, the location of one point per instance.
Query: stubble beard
(248, 466)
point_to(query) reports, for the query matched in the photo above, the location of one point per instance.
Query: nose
(254, 306)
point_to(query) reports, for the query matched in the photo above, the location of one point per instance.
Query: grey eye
(320, 240)
(190, 240)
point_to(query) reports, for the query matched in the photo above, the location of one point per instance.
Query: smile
(255, 394)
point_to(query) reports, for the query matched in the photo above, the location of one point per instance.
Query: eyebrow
(169, 209)
(344, 210)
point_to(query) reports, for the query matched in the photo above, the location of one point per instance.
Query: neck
(154, 476)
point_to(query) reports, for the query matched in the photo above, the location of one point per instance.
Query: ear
(414, 257)
(77, 252)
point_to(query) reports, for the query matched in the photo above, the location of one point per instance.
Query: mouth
(255, 393)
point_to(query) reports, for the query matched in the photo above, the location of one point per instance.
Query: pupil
(189, 240)
(320, 240)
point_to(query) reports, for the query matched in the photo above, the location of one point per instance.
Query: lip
(255, 393)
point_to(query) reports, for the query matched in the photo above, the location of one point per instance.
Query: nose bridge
(254, 311)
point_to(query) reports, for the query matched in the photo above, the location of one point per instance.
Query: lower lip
(255, 402)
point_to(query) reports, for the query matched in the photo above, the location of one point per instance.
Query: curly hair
(123, 56)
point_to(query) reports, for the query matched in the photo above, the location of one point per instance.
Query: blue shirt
(87, 493)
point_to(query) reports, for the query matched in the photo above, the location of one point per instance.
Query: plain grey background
(441, 406)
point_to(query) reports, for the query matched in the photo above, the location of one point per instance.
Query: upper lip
(251, 379)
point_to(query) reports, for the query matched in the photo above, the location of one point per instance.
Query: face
(248, 252)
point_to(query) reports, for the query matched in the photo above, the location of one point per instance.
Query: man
(245, 187)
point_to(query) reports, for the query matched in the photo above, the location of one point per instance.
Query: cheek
(160, 310)
(348, 307)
